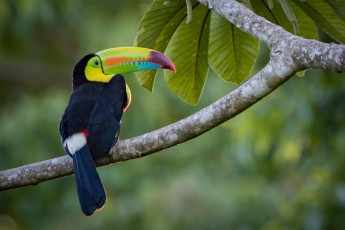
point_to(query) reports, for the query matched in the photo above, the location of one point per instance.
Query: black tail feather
(90, 189)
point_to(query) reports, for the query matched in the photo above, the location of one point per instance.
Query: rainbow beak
(130, 59)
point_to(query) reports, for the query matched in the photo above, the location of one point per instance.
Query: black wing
(105, 118)
(76, 115)
(102, 129)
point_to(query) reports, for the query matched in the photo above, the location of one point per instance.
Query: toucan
(90, 124)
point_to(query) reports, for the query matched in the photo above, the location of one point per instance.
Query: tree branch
(289, 54)
(304, 53)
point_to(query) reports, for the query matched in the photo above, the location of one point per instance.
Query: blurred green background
(278, 165)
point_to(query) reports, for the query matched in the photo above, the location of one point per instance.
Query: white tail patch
(75, 142)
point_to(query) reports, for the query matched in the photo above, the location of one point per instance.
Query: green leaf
(248, 4)
(307, 28)
(210, 39)
(155, 31)
(323, 13)
(301, 73)
(338, 6)
(232, 52)
(290, 14)
(188, 48)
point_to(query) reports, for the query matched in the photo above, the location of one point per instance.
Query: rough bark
(289, 54)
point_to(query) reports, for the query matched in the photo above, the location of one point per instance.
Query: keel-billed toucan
(90, 124)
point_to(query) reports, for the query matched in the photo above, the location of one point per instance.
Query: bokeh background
(278, 165)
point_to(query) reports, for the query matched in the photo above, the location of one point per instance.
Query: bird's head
(102, 66)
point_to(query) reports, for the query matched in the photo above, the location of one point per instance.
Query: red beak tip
(160, 58)
(171, 67)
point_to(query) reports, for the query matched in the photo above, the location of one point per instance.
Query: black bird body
(90, 125)
(91, 122)
(96, 108)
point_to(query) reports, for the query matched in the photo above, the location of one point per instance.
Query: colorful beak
(129, 59)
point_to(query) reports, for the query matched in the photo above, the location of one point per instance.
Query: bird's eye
(96, 62)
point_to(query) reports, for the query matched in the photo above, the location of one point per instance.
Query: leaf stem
(189, 11)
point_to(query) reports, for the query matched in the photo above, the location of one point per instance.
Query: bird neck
(77, 81)
(79, 77)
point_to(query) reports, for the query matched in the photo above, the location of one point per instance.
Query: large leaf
(323, 13)
(275, 13)
(188, 49)
(232, 52)
(156, 29)
(210, 39)
(338, 6)
(307, 28)
(290, 14)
